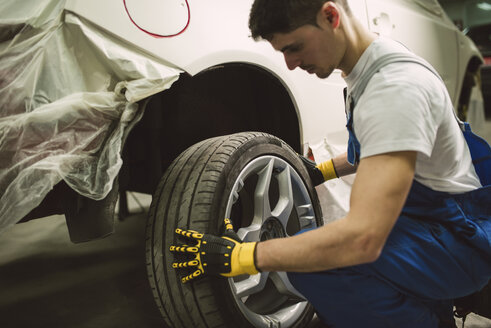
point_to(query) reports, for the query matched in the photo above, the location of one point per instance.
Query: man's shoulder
(390, 72)
(383, 45)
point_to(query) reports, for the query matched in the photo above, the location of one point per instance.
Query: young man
(417, 234)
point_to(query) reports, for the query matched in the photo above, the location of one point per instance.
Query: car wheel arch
(220, 100)
(470, 80)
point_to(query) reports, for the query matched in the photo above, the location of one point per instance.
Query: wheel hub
(272, 228)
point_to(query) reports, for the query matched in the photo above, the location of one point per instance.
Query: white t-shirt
(405, 107)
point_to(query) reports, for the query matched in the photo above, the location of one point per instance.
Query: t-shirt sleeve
(394, 114)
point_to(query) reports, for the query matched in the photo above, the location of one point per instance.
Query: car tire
(257, 181)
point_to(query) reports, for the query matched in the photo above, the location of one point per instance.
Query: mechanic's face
(315, 49)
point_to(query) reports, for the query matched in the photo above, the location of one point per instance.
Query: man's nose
(291, 61)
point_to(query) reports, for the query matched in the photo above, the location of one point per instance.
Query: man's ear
(331, 13)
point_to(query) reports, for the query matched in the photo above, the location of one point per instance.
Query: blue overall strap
(479, 149)
(480, 153)
(353, 144)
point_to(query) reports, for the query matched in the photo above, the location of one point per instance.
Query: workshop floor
(46, 281)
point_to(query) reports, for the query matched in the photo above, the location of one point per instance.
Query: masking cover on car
(70, 94)
(431, 5)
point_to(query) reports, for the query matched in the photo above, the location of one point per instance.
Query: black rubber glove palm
(314, 173)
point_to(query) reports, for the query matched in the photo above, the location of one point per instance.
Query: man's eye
(293, 49)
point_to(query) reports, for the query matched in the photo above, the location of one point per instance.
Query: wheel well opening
(470, 79)
(219, 101)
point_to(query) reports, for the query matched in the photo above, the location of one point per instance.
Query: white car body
(218, 34)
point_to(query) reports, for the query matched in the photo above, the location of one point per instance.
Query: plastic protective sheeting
(333, 194)
(69, 96)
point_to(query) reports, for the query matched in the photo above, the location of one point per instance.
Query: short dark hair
(268, 17)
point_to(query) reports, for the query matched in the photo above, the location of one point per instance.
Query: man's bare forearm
(337, 245)
(379, 192)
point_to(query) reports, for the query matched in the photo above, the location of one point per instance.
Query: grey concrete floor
(46, 281)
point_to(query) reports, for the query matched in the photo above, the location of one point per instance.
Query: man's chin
(323, 75)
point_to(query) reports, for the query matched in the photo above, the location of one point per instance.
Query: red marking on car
(155, 35)
(310, 154)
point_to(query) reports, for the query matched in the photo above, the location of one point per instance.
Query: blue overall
(438, 250)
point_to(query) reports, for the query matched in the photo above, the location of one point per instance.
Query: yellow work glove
(321, 172)
(226, 255)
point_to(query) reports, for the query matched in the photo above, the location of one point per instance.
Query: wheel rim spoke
(262, 208)
(284, 206)
(251, 285)
(250, 233)
(283, 284)
(283, 318)
(306, 216)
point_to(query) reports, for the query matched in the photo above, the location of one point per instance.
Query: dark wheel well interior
(218, 101)
(469, 82)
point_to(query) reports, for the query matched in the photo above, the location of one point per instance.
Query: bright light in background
(484, 6)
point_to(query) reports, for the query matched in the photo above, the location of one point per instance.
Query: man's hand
(227, 255)
(321, 172)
